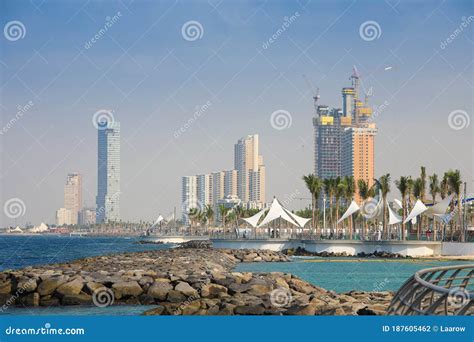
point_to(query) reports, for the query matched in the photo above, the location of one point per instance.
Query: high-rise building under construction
(344, 139)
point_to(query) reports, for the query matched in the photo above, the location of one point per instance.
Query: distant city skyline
(183, 100)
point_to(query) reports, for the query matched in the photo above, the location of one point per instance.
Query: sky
(154, 63)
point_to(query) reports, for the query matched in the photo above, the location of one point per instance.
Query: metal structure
(436, 291)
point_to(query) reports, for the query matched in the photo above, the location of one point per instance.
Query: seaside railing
(436, 291)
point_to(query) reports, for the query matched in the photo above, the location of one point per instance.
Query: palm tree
(223, 211)
(315, 186)
(417, 190)
(338, 194)
(444, 186)
(328, 189)
(364, 194)
(193, 214)
(209, 214)
(455, 182)
(434, 189)
(384, 182)
(402, 186)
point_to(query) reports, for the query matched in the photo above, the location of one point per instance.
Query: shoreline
(182, 281)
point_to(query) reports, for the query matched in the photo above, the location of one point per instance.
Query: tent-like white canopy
(393, 217)
(276, 211)
(418, 208)
(353, 208)
(444, 218)
(440, 207)
(398, 203)
(253, 220)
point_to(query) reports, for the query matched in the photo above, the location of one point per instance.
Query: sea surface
(21, 251)
(338, 274)
(346, 274)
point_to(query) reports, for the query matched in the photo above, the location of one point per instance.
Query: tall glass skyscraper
(108, 172)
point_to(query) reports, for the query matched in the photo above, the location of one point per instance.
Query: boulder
(5, 287)
(49, 301)
(186, 289)
(213, 291)
(127, 288)
(31, 299)
(154, 312)
(49, 285)
(70, 288)
(249, 310)
(76, 299)
(159, 290)
(27, 284)
(260, 290)
(175, 297)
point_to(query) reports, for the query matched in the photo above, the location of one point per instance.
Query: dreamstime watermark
(199, 111)
(379, 110)
(14, 208)
(464, 24)
(46, 330)
(280, 297)
(369, 208)
(192, 30)
(458, 119)
(21, 110)
(281, 119)
(109, 22)
(103, 118)
(381, 285)
(458, 297)
(19, 291)
(288, 198)
(14, 30)
(103, 297)
(287, 21)
(370, 30)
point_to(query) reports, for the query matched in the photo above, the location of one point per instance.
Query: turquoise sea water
(342, 275)
(338, 274)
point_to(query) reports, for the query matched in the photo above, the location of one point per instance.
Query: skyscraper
(250, 170)
(344, 139)
(108, 172)
(73, 196)
(189, 196)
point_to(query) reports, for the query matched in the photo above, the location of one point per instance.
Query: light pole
(324, 212)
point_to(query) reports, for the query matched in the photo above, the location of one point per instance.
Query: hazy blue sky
(152, 78)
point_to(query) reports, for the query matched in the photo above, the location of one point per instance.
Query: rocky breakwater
(300, 251)
(184, 281)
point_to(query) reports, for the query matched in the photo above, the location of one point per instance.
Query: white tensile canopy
(393, 217)
(253, 220)
(444, 218)
(398, 203)
(418, 208)
(440, 207)
(39, 229)
(353, 208)
(159, 219)
(276, 211)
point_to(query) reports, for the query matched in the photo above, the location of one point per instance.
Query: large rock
(260, 290)
(76, 299)
(249, 310)
(5, 287)
(155, 311)
(31, 299)
(27, 284)
(49, 285)
(128, 288)
(213, 291)
(186, 289)
(70, 288)
(175, 297)
(196, 244)
(159, 290)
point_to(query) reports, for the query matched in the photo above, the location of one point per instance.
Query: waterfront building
(230, 183)
(108, 172)
(88, 216)
(344, 139)
(218, 186)
(73, 196)
(64, 217)
(189, 196)
(204, 190)
(250, 169)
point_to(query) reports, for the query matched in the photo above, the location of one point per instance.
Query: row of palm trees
(206, 216)
(341, 191)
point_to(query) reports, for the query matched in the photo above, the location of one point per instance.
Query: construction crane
(314, 90)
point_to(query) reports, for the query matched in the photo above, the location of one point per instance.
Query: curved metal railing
(436, 291)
